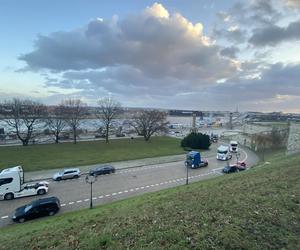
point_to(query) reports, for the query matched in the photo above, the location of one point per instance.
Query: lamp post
(90, 179)
(187, 174)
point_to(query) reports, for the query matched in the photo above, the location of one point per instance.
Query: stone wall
(293, 144)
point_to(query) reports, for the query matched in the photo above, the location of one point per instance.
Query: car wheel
(51, 213)
(58, 178)
(9, 196)
(21, 220)
(76, 176)
(41, 192)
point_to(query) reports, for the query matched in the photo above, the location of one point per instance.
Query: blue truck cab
(193, 160)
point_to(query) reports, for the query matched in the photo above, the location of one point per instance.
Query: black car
(230, 169)
(37, 208)
(102, 170)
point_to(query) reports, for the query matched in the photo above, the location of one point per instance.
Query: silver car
(69, 173)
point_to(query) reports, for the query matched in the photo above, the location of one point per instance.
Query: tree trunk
(74, 135)
(106, 133)
(56, 137)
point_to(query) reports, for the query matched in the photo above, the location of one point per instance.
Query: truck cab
(233, 146)
(223, 153)
(193, 160)
(12, 184)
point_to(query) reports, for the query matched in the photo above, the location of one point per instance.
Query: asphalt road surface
(75, 194)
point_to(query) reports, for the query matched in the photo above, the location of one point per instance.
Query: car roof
(222, 147)
(193, 153)
(71, 169)
(45, 201)
(103, 166)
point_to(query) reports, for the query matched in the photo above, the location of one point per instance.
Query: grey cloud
(230, 51)
(159, 47)
(274, 35)
(277, 83)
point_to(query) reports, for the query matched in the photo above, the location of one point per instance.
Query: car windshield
(234, 145)
(27, 208)
(222, 152)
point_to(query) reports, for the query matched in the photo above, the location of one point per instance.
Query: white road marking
(213, 171)
(4, 217)
(246, 155)
(62, 205)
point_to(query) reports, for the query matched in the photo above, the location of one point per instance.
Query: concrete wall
(293, 144)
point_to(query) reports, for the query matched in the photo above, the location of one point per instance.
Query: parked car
(67, 174)
(38, 208)
(107, 169)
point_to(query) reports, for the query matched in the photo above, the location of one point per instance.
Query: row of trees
(25, 117)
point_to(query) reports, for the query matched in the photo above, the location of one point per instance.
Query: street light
(187, 174)
(90, 179)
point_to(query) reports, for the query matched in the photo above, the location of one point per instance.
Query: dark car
(234, 168)
(100, 170)
(37, 208)
(230, 169)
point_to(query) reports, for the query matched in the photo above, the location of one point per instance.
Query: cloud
(153, 42)
(293, 3)
(161, 59)
(230, 51)
(273, 35)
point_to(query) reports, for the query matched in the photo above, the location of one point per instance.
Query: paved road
(75, 194)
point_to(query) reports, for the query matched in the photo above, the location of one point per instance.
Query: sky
(193, 54)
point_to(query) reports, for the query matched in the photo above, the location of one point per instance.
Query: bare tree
(148, 122)
(74, 112)
(23, 117)
(108, 111)
(56, 122)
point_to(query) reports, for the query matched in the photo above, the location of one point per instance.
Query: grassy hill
(256, 209)
(49, 156)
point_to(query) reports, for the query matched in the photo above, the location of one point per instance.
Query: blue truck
(193, 160)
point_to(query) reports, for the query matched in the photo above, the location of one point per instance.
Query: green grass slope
(256, 209)
(49, 156)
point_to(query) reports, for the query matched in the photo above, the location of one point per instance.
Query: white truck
(12, 184)
(233, 145)
(223, 153)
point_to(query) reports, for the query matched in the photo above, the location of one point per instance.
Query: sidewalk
(47, 174)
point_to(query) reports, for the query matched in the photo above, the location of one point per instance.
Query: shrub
(196, 141)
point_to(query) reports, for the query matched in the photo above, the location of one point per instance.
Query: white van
(223, 153)
(233, 146)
